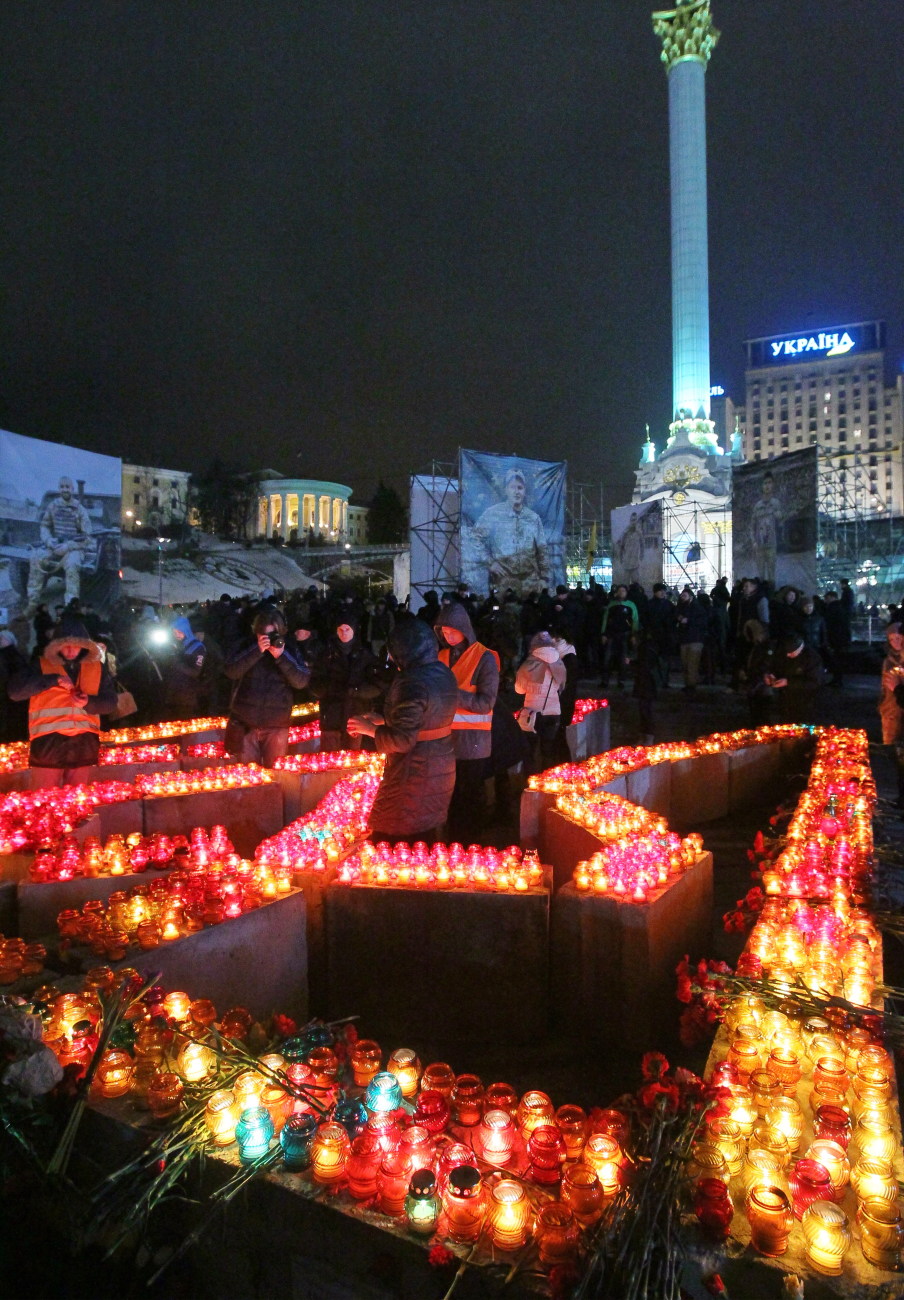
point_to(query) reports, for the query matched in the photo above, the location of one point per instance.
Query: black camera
(277, 641)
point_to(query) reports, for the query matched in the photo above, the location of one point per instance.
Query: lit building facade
(294, 507)
(152, 497)
(826, 388)
(357, 525)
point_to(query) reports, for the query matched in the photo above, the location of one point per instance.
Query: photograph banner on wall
(637, 544)
(60, 511)
(773, 514)
(512, 522)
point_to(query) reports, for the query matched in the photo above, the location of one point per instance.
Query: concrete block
(443, 966)
(128, 771)
(302, 791)
(533, 805)
(250, 813)
(313, 887)
(618, 785)
(613, 963)
(9, 908)
(258, 961)
(651, 788)
(40, 902)
(589, 736)
(699, 790)
(199, 737)
(14, 781)
(751, 773)
(565, 844)
(15, 866)
(195, 764)
(120, 818)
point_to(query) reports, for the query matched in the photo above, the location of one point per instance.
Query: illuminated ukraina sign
(833, 345)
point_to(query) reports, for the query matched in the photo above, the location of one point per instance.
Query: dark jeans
(264, 745)
(467, 808)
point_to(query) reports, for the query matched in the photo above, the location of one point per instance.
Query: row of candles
(599, 769)
(184, 727)
(439, 1150)
(133, 854)
(18, 958)
(32, 817)
(339, 819)
(813, 1132)
(442, 866)
(153, 785)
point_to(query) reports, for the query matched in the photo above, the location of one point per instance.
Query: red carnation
(654, 1065)
(685, 989)
(440, 1256)
(284, 1026)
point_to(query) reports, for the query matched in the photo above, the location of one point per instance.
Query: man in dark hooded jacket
(183, 675)
(415, 733)
(476, 670)
(265, 672)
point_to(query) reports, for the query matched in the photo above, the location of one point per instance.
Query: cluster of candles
(637, 868)
(436, 1150)
(18, 958)
(601, 768)
(124, 855)
(811, 1135)
(168, 907)
(206, 749)
(30, 818)
(339, 819)
(358, 760)
(138, 754)
(164, 730)
(14, 756)
(442, 866)
(307, 731)
(583, 707)
(152, 785)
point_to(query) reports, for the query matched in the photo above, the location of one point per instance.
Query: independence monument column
(688, 37)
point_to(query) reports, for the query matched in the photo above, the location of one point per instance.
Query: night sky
(341, 239)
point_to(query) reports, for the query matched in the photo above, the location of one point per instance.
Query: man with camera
(265, 671)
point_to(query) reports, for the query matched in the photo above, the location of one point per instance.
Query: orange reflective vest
(463, 670)
(52, 712)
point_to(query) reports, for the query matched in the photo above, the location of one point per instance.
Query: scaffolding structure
(588, 542)
(696, 542)
(434, 530)
(855, 538)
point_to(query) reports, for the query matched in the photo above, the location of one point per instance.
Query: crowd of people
(464, 689)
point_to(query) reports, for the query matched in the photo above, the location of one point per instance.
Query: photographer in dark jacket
(265, 673)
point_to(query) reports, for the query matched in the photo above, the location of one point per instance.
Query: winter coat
(419, 775)
(692, 620)
(803, 673)
(569, 694)
(183, 674)
(471, 741)
(79, 746)
(346, 680)
(262, 696)
(540, 679)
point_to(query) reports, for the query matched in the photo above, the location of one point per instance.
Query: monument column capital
(686, 32)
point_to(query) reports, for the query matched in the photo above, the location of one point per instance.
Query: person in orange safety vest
(476, 670)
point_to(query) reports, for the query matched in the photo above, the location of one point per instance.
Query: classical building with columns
(287, 506)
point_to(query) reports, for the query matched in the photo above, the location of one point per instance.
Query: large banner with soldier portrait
(773, 519)
(637, 544)
(512, 522)
(60, 511)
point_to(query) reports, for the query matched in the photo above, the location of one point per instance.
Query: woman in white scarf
(540, 680)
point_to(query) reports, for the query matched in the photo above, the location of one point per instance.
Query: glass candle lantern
(830, 1070)
(467, 1100)
(876, 1138)
(439, 1077)
(745, 1055)
(432, 1111)
(277, 1103)
(582, 1193)
(771, 1220)
(496, 1135)
(706, 1161)
(785, 1115)
(603, 1154)
(422, 1204)
(177, 1007)
(571, 1121)
(350, 1113)
(832, 1123)
(509, 1215)
(452, 1156)
(614, 1122)
(295, 1139)
(874, 1180)
(407, 1069)
(557, 1234)
(546, 1153)
(392, 1184)
(364, 1159)
(196, 1062)
(464, 1204)
(742, 1110)
(417, 1148)
(383, 1094)
(764, 1089)
(329, 1153)
(365, 1059)
(713, 1207)
(726, 1135)
(164, 1094)
(253, 1133)
(115, 1073)
(203, 1012)
(809, 1182)
(325, 1065)
(881, 1233)
(500, 1096)
(827, 1236)
(383, 1127)
(248, 1088)
(761, 1168)
(784, 1065)
(221, 1114)
(833, 1158)
(534, 1109)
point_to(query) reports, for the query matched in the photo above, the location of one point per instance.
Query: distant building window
(136, 499)
(136, 479)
